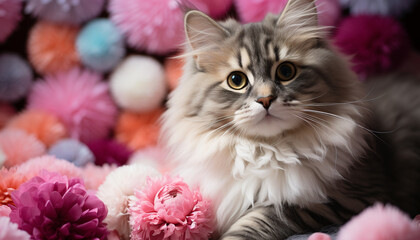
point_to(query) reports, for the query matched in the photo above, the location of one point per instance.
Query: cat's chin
(270, 126)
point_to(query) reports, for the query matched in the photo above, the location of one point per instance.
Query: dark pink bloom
(51, 206)
(168, 209)
(377, 44)
(109, 151)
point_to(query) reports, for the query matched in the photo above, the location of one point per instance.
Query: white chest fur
(237, 173)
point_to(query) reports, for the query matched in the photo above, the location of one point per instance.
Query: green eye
(286, 71)
(237, 80)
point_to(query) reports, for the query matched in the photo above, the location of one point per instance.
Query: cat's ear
(298, 16)
(202, 31)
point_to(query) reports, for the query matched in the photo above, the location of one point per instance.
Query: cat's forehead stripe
(283, 52)
(271, 53)
(245, 59)
(234, 63)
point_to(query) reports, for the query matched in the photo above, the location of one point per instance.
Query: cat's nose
(266, 101)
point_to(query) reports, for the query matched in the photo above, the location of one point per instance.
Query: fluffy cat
(273, 126)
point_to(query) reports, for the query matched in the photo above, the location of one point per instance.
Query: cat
(272, 125)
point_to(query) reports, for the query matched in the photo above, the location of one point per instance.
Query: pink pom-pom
(218, 8)
(34, 166)
(109, 152)
(168, 209)
(67, 11)
(53, 206)
(154, 26)
(329, 11)
(94, 175)
(19, 146)
(80, 100)
(376, 44)
(319, 236)
(9, 17)
(380, 223)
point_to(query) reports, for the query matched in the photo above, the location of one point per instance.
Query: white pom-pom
(138, 84)
(115, 192)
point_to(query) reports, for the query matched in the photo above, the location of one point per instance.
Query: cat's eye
(286, 71)
(237, 80)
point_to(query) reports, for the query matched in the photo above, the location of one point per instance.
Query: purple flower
(51, 206)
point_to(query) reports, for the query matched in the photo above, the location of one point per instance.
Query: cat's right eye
(237, 80)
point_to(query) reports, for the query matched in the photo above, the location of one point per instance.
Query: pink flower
(4, 211)
(168, 209)
(51, 206)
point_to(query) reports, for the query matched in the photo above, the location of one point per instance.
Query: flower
(18, 146)
(9, 181)
(52, 206)
(51, 47)
(94, 175)
(115, 192)
(10, 16)
(4, 211)
(80, 99)
(167, 209)
(138, 130)
(44, 126)
(65, 11)
(9, 230)
(109, 152)
(34, 166)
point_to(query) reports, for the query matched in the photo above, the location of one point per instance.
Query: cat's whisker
(311, 125)
(314, 98)
(219, 129)
(316, 120)
(374, 133)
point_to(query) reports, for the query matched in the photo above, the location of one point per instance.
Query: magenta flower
(168, 209)
(51, 206)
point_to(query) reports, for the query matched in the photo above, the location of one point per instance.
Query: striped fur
(306, 161)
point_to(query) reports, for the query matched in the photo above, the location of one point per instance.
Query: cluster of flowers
(46, 198)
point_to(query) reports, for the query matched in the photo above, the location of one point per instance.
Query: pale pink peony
(167, 209)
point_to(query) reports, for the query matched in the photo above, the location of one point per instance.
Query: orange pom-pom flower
(45, 126)
(138, 130)
(10, 180)
(52, 47)
(173, 71)
(19, 146)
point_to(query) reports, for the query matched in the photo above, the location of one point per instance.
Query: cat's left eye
(286, 71)
(237, 80)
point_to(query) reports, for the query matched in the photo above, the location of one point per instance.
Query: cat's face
(262, 79)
